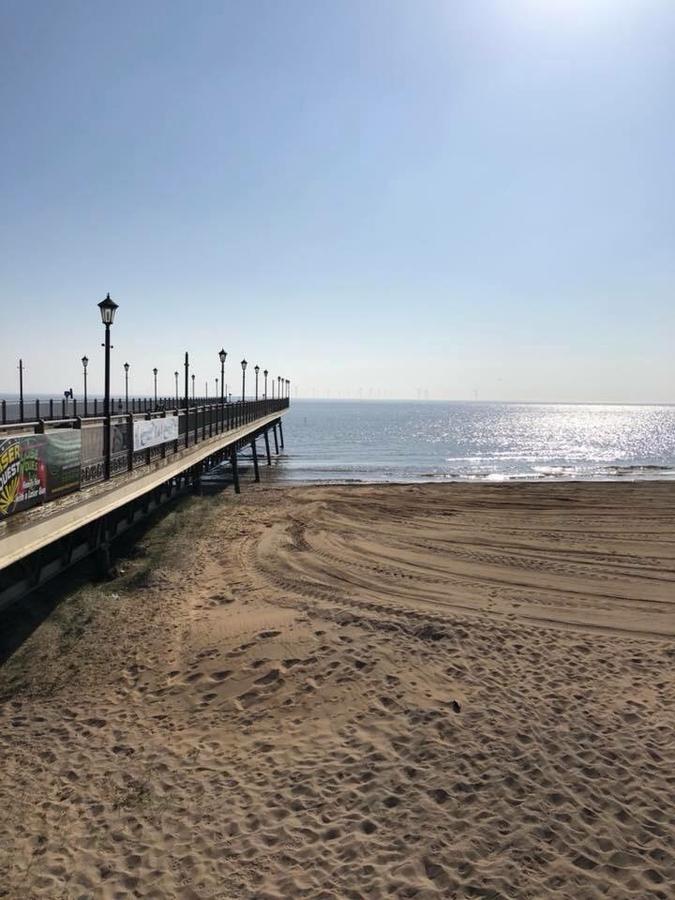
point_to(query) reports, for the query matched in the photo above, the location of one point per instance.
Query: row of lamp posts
(108, 308)
(282, 383)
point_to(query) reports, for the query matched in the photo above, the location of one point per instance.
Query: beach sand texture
(373, 691)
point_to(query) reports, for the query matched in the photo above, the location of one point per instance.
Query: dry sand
(396, 691)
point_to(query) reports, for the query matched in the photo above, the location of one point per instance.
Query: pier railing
(189, 427)
(29, 410)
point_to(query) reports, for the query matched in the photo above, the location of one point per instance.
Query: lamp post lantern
(85, 363)
(243, 379)
(154, 372)
(126, 386)
(257, 371)
(175, 375)
(107, 308)
(222, 356)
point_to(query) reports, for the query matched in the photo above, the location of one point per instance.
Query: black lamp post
(175, 375)
(243, 379)
(126, 386)
(108, 308)
(257, 371)
(273, 387)
(193, 388)
(154, 372)
(85, 363)
(265, 373)
(288, 388)
(222, 356)
(279, 387)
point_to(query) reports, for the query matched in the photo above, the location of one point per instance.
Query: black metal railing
(32, 410)
(199, 422)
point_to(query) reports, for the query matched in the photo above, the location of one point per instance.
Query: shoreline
(396, 691)
(478, 479)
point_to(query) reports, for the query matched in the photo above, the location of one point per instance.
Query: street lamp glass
(266, 373)
(222, 355)
(85, 361)
(108, 308)
(244, 364)
(154, 371)
(257, 369)
(126, 367)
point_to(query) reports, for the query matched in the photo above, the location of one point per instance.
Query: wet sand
(375, 691)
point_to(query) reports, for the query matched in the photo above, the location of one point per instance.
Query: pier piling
(254, 451)
(235, 470)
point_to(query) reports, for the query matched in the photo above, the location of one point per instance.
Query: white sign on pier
(150, 432)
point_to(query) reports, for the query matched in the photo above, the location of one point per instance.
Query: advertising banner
(36, 468)
(150, 432)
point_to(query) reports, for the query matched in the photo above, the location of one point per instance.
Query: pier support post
(254, 451)
(267, 448)
(103, 562)
(276, 442)
(235, 470)
(197, 472)
(281, 434)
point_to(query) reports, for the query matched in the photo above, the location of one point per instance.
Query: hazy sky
(451, 195)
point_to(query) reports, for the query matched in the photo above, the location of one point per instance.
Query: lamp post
(279, 387)
(107, 307)
(288, 388)
(21, 390)
(175, 375)
(265, 373)
(243, 379)
(186, 366)
(85, 363)
(154, 372)
(193, 388)
(222, 356)
(257, 371)
(273, 387)
(126, 386)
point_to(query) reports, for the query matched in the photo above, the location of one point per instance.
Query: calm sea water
(408, 441)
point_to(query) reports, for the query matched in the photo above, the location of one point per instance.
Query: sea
(407, 441)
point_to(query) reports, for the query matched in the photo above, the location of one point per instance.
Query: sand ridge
(383, 691)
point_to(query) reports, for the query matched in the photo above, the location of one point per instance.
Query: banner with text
(150, 432)
(36, 468)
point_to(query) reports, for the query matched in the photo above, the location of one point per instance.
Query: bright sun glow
(574, 12)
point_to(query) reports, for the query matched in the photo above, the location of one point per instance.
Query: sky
(387, 198)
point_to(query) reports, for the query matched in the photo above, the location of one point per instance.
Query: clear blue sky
(376, 194)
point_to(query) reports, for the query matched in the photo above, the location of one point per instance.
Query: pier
(72, 480)
(153, 457)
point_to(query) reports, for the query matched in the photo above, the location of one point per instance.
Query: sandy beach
(356, 691)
